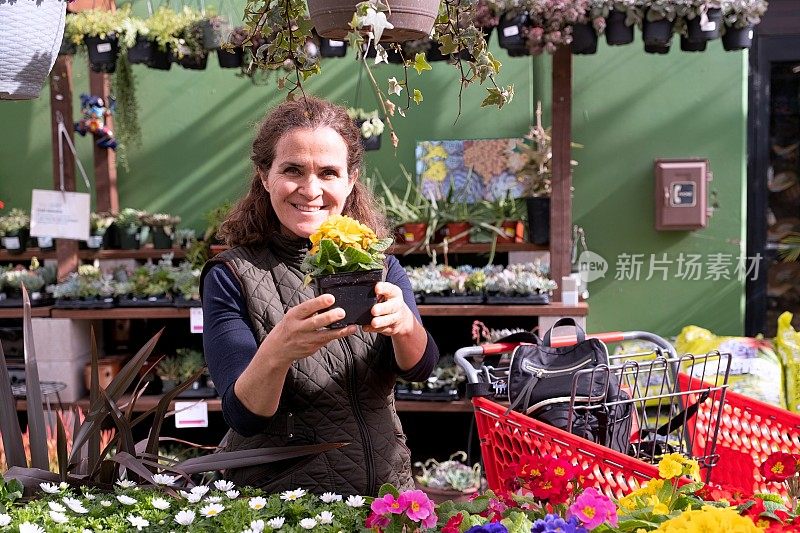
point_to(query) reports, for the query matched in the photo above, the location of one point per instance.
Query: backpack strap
(566, 321)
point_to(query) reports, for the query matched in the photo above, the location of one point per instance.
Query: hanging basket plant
(409, 19)
(739, 18)
(103, 33)
(29, 43)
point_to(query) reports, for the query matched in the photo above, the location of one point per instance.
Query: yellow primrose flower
(670, 466)
(344, 232)
(719, 520)
(658, 506)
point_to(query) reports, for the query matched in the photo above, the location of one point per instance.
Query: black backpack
(540, 385)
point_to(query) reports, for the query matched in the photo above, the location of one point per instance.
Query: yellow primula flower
(719, 520)
(658, 506)
(344, 232)
(670, 466)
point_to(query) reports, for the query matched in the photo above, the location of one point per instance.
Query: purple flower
(491, 527)
(553, 523)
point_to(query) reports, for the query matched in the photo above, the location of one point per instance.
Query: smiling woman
(287, 377)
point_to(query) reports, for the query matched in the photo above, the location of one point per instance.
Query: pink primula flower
(387, 504)
(377, 521)
(593, 508)
(418, 506)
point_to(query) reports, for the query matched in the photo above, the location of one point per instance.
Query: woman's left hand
(391, 314)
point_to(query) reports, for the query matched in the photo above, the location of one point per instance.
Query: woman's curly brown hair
(252, 221)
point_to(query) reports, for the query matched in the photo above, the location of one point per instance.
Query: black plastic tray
(532, 299)
(130, 301)
(455, 299)
(105, 303)
(17, 302)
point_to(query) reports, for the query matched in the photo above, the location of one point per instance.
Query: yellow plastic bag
(755, 367)
(787, 342)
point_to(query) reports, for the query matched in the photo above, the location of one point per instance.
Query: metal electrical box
(681, 194)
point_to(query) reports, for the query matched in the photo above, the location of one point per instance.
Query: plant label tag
(102, 48)
(191, 415)
(60, 214)
(750, 35)
(335, 44)
(196, 319)
(510, 31)
(705, 24)
(11, 243)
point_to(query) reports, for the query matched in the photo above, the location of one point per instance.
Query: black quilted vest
(342, 393)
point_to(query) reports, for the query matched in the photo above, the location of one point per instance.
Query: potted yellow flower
(346, 259)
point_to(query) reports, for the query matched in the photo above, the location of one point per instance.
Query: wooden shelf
(142, 253)
(16, 312)
(122, 312)
(554, 309)
(27, 255)
(470, 248)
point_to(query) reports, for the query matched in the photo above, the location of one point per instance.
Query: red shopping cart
(664, 406)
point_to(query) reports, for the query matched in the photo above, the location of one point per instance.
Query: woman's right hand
(300, 333)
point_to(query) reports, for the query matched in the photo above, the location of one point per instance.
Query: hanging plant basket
(332, 47)
(659, 49)
(705, 30)
(68, 48)
(230, 58)
(617, 32)
(737, 38)
(371, 143)
(511, 33)
(30, 38)
(141, 52)
(688, 45)
(102, 53)
(354, 292)
(657, 32)
(160, 59)
(584, 39)
(412, 19)
(194, 62)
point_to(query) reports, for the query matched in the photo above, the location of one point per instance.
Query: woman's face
(308, 180)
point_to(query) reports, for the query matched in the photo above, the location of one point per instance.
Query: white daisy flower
(164, 479)
(257, 503)
(160, 503)
(292, 495)
(211, 510)
(75, 505)
(200, 489)
(325, 517)
(185, 517)
(257, 526)
(194, 498)
(49, 488)
(105, 503)
(63, 485)
(126, 483)
(330, 497)
(224, 485)
(58, 518)
(355, 501)
(4, 519)
(86, 530)
(89, 496)
(308, 523)
(27, 527)
(138, 522)
(214, 499)
(232, 494)
(57, 507)
(124, 499)
(276, 523)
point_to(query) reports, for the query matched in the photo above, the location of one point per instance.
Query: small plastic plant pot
(354, 292)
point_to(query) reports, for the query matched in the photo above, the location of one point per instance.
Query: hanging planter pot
(332, 47)
(657, 32)
(705, 28)
(538, 219)
(230, 58)
(29, 42)
(102, 53)
(511, 33)
(371, 143)
(737, 38)
(354, 292)
(194, 62)
(692, 46)
(392, 55)
(412, 19)
(214, 31)
(617, 32)
(584, 39)
(160, 59)
(659, 49)
(68, 48)
(434, 53)
(141, 52)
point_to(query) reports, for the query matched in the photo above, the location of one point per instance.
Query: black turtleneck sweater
(229, 340)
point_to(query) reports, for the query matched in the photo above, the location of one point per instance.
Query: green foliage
(190, 362)
(100, 23)
(743, 13)
(10, 491)
(17, 219)
(126, 112)
(214, 219)
(331, 259)
(99, 222)
(129, 220)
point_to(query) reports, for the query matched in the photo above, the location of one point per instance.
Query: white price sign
(196, 319)
(60, 214)
(191, 415)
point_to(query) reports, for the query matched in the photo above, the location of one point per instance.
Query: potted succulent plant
(230, 53)
(98, 224)
(164, 27)
(102, 31)
(190, 362)
(657, 25)
(703, 20)
(15, 230)
(169, 370)
(371, 126)
(147, 286)
(186, 285)
(88, 288)
(442, 385)
(454, 214)
(346, 259)
(449, 480)
(441, 284)
(34, 279)
(162, 228)
(190, 52)
(740, 17)
(138, 41)
(127, 229)
(622, 17)
(525, 283)
(551, 24)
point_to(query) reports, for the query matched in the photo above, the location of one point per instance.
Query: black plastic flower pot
(692, 46)
(140, 52)
(230, 58)
(369, 143)
(392, 55)
(538, 219)
(617, 32)
(584, 39)
(354, 292)
(212, 36)
(698, 32)
(657, 32)
(737, 38)
(68, 48)
(160, 59)
(511, 33)
(161, 240)
(102, 53)
(128, 240)
(194, 62)
(111, 237)
(332, 48)
(434, 53)
(16, 242)
(659, 49)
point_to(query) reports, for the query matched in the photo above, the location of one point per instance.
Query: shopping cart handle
(500, 347)
(569, 340)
